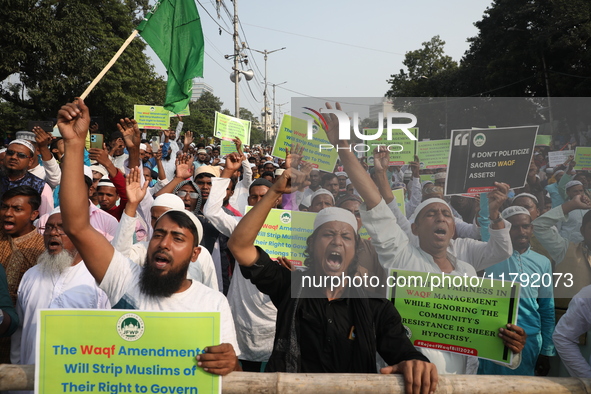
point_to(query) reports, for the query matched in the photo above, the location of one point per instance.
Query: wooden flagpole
(109, 65)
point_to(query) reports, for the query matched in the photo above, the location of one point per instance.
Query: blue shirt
(536, 309)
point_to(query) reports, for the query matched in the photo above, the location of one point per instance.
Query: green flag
(173, 30)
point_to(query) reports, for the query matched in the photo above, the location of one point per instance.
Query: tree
(429, 72)
(202, 118)
(57, 48)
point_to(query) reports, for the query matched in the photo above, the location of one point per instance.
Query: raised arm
(73, 120)
(360, 179)
(241, 242)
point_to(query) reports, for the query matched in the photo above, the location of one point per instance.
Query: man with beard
(162, 283)
(59, 280)
(19, 156)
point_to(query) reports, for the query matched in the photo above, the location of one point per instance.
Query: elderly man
(19, 156)
(536, 305)
(321, 199)
(354, 328)
(434, 225)
(162, 284)
(59, 280)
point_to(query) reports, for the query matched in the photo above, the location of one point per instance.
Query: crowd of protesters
(164, 224)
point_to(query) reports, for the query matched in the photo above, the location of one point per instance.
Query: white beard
(55, 264)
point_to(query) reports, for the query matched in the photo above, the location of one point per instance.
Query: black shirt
(318, 335)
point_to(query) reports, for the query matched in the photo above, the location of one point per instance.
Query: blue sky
(355, 45)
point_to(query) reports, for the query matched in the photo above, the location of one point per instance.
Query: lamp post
(266, 53)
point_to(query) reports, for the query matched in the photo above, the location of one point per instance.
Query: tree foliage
(58, 47)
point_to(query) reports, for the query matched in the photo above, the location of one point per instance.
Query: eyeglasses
(50, 227)
(20, 155)
(182, 193)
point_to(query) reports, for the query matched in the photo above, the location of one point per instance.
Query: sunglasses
(183, 193)
(20, 155)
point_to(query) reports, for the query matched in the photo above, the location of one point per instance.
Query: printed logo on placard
(479, 140)
(285, 217)
(130, 327)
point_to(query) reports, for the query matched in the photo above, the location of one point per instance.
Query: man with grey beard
(59, 280)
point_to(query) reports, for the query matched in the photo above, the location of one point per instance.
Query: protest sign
(556, 158)
(427, 177)
(284, 234)
(227, 128)
(543, 140)
(399, 195)
(458, 314)
(582, 158)
(433, 154)
(185, 112)
(124, 351)
(151, 117)
(480, 157)
(402, 149)
(293, 131)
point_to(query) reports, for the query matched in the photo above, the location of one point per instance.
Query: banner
(227, 128)
(293, 131)
(185, 112)
(399, 195)
(582, 158)
(543, 140)
(457, 314)
(556, 158)
(480, 157)
(151, 117)
(402, 149)
(433, 154)
(124, 351)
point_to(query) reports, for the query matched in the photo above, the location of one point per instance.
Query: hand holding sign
(496, 199)
(381, 159)
(219, 360)
(514, 337)
(415, 166)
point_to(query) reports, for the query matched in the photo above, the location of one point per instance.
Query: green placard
(399, 194)
(427, 177)
(402, 149)
(583, 158)
(543, 140)
(124, 351)
(227, 128)
(151, 117)
(433, 154)
(316, 151)
(458, 314)
(185, 112)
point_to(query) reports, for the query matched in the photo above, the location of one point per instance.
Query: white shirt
(121, 283)
(396, 252)
(254, 313)
(202, 270)
(75, 288)
(575, 322)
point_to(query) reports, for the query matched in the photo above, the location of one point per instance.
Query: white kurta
(75, 288)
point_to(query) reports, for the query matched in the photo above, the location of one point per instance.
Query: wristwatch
(495, 221)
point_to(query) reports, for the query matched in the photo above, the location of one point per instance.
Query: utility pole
(236, 63)
(265, 52)
(274, 122)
